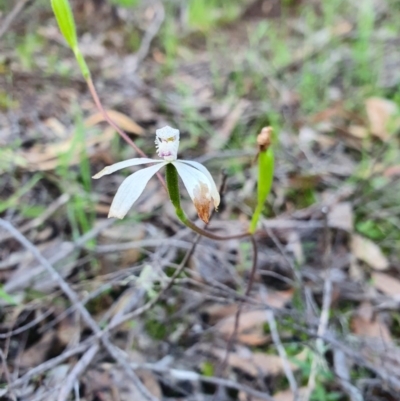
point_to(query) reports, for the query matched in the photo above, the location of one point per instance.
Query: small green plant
(206, 14)
(207, 369)
(15, 198)
(77, 182)
(125, 3)
(6, 297)
(31, 43)
(156, 329)
(170, 42)
(362, 48)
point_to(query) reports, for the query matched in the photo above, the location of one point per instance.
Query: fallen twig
(282, 353)
(77, 370)
(170, 282)
(11, 17)
(193, 376)
(73, 297)
(149, 36)
(51, 209)
(342, 372)
(6, 373)
(233, 336)
(326, 304)
(27, 326)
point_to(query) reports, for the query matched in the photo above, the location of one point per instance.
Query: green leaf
(82, 63)
(171, 176)
(66, 23)
(265, 179)
(65, 19)
(207, 369)
(7, 298)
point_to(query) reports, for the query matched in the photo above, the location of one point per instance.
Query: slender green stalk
(65, 19)
(265, 178)
(82, 64)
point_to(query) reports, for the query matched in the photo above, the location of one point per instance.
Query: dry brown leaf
(380, 113)
(128, 391)
(254, 363)
(287, 395)
(69, 330)
(118, 234)
(47, 157)
(341, 216)
(37, 354)
(342, 28)
(365, 323)
(387, 284)
(111, 383)
(250, 329)
(370, 253)
(56, 127)
(248, 321)
(254, 338)
(123, 121)
(215, 313)
(358, 131)
(276, 299)
(304, 181)
(393, 171)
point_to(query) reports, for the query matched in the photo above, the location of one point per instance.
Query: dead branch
(76, 372)
(73, 297)
(282, 353)
(19, 6)
(193, 376)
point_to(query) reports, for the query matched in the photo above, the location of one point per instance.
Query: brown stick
(11, 17)
(123, 134)
(114, 352)
(233, 336)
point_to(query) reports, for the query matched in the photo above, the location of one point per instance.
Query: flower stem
(171, 176)
(264, 184)
(123, 134)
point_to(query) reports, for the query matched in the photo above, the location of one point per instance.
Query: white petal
(126, 163)
(130, 189)
(191, 177)
(214, 190)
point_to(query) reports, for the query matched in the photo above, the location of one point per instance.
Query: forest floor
(88, 310)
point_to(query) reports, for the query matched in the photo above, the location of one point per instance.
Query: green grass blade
(65, 19)
(7, 298)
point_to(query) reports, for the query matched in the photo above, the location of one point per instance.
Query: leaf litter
(212, 91)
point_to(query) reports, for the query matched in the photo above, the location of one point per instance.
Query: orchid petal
(198, 187)
(191, 177)
(126, 163)
(214, 190)
(130, 190)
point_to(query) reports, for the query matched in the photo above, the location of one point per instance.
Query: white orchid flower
(196, 178)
